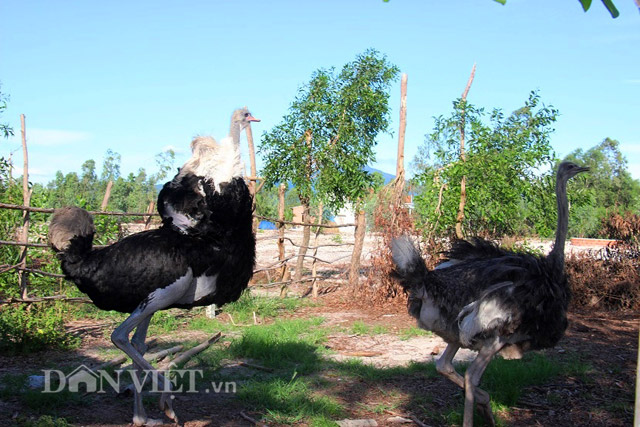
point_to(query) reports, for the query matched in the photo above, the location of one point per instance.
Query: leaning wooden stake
(284, 270)
(26, 200)
(463, 182)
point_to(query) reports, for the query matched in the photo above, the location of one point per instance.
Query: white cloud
(55, 137)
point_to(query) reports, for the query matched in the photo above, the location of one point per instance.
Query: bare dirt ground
(606, 342)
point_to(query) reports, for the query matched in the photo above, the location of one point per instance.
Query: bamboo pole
(26, 200)
(463, 181)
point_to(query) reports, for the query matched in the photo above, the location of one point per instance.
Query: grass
(304, 386)
(412, 332)
(361, 328)
(290, 401)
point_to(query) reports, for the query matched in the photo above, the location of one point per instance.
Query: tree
(502, 169)
(608, 188)
(328, 136)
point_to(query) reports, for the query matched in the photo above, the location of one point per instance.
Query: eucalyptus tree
(329, 134)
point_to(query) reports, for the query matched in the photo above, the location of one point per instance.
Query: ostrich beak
(252, 119)
(584, 169)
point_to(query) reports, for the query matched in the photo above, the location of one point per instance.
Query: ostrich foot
(138, 421)
(166, 405)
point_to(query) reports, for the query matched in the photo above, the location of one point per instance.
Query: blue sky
(138, 77)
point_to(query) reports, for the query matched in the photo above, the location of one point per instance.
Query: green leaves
(504, 160)
(326, 139)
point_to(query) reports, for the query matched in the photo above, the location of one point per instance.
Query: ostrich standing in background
(209, 262)
(489, 299)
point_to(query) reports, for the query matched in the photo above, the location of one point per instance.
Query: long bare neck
(557, 253)
(234, 133)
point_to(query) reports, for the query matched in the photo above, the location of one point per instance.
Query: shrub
(35, 327)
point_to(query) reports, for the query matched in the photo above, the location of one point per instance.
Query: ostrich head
(242, 117)
(568, 170)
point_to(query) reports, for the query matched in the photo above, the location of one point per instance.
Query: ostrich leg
(472, 379)
(138, 341)
(157, 300)
(445, 367)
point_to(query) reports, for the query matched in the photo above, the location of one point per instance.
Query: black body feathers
(120, 276)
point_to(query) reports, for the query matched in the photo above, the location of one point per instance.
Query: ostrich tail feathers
(410, 267)
(71, 231)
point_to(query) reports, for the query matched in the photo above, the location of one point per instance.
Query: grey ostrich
(489, 299)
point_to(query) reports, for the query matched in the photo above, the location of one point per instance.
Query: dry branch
(184, 357)
(251, 420)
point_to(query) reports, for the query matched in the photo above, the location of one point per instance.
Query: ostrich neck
(557, 253)
(234, 134)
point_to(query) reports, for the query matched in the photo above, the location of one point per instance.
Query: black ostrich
(182, 201)
(163, 268)
(489, 299)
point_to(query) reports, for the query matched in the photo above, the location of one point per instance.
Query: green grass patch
(290, 401)
(264, 307)
(505, 379)
(361, 328)
(412, 332)
(282, 344)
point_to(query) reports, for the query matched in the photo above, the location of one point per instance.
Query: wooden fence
(280, 269)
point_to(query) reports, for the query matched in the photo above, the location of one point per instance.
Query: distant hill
(387, 176)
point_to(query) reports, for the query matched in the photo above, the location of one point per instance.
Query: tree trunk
(314, 271)
(107, 195)
(354, 271)
(463, 181)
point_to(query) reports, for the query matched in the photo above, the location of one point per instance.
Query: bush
(35, 327)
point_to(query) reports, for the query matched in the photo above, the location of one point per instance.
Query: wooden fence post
(254, 173)
(400, 174)
(359, 234)
(281, 254)
(26, 200)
